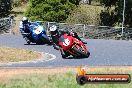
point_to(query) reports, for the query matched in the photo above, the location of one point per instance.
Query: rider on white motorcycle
(56, 34)
(24, 28)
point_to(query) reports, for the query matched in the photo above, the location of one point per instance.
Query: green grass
(18, 12)
(66, 80)
(15, 55)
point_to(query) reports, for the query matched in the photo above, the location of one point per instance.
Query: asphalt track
(103, 53)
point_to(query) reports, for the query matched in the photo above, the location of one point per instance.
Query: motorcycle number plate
(66, 42)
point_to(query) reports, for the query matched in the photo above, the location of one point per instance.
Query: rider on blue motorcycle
(24, 28)
(56, 34)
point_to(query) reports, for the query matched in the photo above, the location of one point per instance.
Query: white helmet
(53, 30)
(25, 19)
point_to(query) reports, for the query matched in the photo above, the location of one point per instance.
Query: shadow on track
(71, 57)
(34, 44)
(38, 44)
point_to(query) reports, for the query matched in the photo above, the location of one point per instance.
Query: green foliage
(108, 15)
(108, 3)
(16, 3)
(128, 12)
(49, 10)
(5, 8)
(114, 16)
(76, 2)
(85, 14)
(65, 80)
(108, 18)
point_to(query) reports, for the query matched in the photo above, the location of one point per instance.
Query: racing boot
(63, 54)
(27, 40)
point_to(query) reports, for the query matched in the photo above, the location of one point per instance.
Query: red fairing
(67, 42)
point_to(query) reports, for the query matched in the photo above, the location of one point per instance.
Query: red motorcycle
(73, 46)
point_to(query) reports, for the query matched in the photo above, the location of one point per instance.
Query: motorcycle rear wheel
(81, 53)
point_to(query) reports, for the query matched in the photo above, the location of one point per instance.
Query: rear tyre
(81, 53)
(46, 40)
(39, 43)
(88, 54)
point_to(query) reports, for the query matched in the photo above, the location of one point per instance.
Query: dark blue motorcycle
(38, 34)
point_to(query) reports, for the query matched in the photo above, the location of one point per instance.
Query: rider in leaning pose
(56, 34)
(24, 28)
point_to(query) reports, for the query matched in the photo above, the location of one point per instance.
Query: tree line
(113, 13)
(59, 10)
(5, 8)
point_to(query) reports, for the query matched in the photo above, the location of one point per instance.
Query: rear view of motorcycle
(37, 34)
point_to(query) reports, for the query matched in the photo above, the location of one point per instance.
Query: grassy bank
(62, 79)
(15, 55)
(86, 14)
(18, 12)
